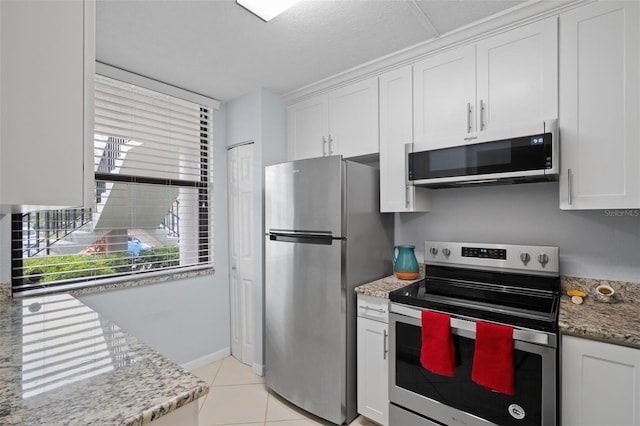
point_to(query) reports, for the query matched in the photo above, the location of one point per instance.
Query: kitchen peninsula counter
(62, 363)
(617, 323)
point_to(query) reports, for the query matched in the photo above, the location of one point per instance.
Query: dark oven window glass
(460, 391)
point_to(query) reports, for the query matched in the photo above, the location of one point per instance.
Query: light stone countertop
(62, 363)
(617, 323)
(382, 287)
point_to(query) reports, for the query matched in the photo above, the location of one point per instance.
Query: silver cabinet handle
(324, 142)
(408, 148)
(330, 140)
(470, 138)
(481, 114)
(468, 117)
(385, 335)
(369, 308)
(569, 185)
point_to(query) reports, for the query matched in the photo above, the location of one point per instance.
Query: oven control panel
(540, 260)
(484, 253)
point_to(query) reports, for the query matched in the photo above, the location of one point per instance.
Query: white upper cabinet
(517, 78)
(344, 121)
(309, 128)
(396, 137)
(599, 106)
(445, 98)
(47, 65)
(501, 82)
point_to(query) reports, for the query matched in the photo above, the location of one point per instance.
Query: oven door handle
(457, 324)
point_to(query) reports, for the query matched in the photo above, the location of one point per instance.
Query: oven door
(458, 400)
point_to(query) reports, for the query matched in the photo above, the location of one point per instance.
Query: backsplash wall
(603, 244)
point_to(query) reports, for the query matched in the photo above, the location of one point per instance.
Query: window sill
(80, 289)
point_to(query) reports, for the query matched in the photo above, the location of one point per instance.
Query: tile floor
(238, 397)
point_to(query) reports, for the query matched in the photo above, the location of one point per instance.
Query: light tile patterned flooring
(238, 397)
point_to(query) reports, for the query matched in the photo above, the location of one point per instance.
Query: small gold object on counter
(576, 293)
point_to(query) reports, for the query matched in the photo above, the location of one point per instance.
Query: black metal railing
(171, 222)
(42, 229)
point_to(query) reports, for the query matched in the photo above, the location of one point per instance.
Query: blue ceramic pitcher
(405, 264)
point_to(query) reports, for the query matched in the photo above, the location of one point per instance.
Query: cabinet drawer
(373, 308)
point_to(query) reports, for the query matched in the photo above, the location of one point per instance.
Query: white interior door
(241, 251)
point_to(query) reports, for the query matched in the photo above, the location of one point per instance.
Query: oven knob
(433, 251)
(446, 252)
(543, 258)
(525, 257)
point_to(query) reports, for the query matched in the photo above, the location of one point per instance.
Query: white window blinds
(151, 206)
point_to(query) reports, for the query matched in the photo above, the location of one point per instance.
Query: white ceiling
(218, 49)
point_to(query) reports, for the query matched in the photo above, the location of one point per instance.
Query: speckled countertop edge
(382, 287)
(617, 323)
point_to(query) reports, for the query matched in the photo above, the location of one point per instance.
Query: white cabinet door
(517, 77)
(600, 383)
(505, 81)
(309, 128)
(599, 106)
(342, 122)
(373, 370)
(353, 119)
(444, 98)
(395, 134)
(46, 133)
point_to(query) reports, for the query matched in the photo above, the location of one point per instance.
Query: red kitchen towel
(437, 354)
(493, 357)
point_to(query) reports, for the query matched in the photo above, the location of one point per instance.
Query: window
(150, 213)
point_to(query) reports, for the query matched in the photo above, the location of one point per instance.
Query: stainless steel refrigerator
(325, 236)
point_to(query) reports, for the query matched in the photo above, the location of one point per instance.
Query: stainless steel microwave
(526, 154)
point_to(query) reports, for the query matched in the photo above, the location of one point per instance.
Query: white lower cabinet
(600, 383)
(373, 358)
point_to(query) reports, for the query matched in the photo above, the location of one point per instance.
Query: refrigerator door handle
(302, 238)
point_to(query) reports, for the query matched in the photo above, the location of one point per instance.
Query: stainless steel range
(510, 285)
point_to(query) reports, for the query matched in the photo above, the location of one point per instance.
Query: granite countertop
(382, 287)
(62, 363)
(617, 323)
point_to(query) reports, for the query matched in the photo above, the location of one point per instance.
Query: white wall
(593, 244)
(259, 116)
